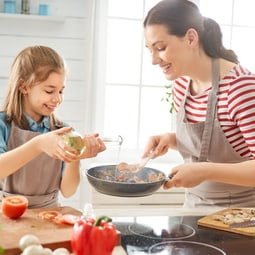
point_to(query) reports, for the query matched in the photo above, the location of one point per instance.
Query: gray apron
(39, 180)
(206, 141)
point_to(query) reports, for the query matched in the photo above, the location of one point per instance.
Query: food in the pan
(125, 167)
(144, 176)
(235, 215)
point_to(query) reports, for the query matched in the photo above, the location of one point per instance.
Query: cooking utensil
(143, 162)
(103, 179)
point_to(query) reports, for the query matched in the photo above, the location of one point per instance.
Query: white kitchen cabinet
(167, 198)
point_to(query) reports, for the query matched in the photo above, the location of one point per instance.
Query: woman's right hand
(160, 144)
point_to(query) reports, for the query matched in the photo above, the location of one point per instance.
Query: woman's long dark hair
(180, 15)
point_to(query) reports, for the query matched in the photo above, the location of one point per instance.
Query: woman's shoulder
(239, 72)
(180, 85)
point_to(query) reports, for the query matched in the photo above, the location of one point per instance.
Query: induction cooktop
(178, 235)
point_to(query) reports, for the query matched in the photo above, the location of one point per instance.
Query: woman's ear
(192, 37)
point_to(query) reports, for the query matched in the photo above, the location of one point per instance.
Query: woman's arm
(191, 174)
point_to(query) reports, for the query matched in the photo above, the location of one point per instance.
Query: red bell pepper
(93, 237)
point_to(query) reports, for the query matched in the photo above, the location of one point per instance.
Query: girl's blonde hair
(33, 64)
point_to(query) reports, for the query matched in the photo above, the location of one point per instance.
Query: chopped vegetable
(47, 251)
(67, 219)
(34, 249)
(93, 237)
(49, 215)
(28, 240)
(14, 206)
(61, 251)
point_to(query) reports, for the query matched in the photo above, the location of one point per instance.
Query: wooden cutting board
(50, 234)
(209, 221)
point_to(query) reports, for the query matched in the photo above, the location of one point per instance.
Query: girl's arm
(70, 179)
(50, 143)
(71, 175)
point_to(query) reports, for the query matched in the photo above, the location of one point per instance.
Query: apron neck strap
(210, 112)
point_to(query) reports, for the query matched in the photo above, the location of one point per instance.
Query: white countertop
(126, 211)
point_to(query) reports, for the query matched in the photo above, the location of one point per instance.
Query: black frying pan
(103, 180)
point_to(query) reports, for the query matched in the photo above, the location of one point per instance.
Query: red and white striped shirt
(236, 107)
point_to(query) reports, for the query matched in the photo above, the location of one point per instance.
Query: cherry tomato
(14, 206)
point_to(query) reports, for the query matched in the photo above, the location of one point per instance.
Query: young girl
(214, 103)
(32, 149)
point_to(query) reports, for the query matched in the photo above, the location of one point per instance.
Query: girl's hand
(94, 145)
(187, 175)
(53, 144)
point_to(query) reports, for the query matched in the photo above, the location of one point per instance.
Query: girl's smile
(43, 98)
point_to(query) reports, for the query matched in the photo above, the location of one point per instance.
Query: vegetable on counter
(93, 237)
(28, 240)
(14, 206)
(30, 245)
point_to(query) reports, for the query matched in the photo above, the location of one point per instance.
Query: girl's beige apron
(39, 180)
(205, 141)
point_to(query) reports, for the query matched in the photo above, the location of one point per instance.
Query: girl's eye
(161, 48)
(49, 92)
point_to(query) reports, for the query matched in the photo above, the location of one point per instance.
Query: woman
(214, 102)
(32, 148)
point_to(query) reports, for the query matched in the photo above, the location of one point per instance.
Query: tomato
(49, 215)
(67, 219)
(14, 206)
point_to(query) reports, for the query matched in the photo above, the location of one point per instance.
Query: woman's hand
(187, 175)
(160, 144)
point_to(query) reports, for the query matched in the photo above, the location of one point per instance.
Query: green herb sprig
(169, 97)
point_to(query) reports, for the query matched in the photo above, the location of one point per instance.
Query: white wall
(71, 35)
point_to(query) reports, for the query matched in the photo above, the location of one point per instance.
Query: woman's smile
(166, 68)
